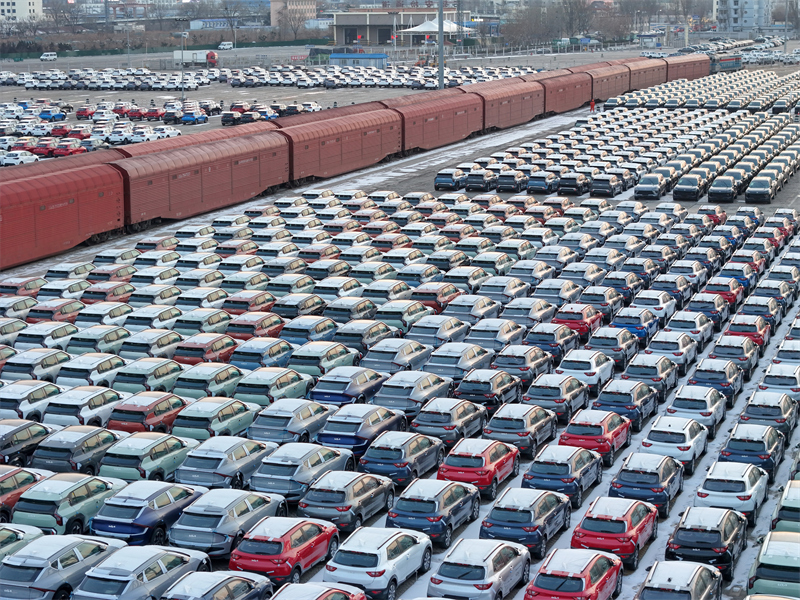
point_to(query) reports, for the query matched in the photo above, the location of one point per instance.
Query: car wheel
(237, 483)
(358, 522)
(156, 477)
(476, 510)
(577, 498)
(74, 527)
(627, 439)
(349, 465)
(515, 470)
(492, 491)
(204, 567)
(389, 500)
(159, 537)
(5, 517)
(425, 565)
(691, 466)
(540, 551)
(303, 438)
(447, 537)
(63, 594)
(633, 562)
(618, 587)
(526, 574)
(440, 458)
(637, 424)
(333, 548)
(663, 511)
(391, 591)
(608, 459)
(295, 577)
(567, 413)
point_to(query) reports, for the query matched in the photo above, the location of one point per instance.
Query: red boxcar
(419, 97)
(646, 73)
(331, 113)
(335, 146)
(185, 141)
(194, 180)
(66, 163)
(448, 119)
(608, 82)
(509, 102)
(564, 91)
(691, 66)
(42, 216)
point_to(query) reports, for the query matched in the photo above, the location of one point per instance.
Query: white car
(96, 368)
(788, 353)
(7, 141)
(46, 334)
(782, 378)
(676, 346)
(104, 115)
(19, 157)
(120, 135)
(83, 404)
(143, 135)
(703, 404)
(380, 559)
(738, 486)
(685, 440)
(659, 303)
(591, 367)
(694, 324)
(311, 107)
(42, 129)
(166, 131)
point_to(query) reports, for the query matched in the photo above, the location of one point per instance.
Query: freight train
(52, 206)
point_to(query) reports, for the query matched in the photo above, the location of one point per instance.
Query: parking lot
(416, 173)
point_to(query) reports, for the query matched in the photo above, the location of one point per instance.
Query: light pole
(785, 26)
(235, 53)
(128, 35)
(441, 44)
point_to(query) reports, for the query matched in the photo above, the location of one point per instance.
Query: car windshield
(575, 365)
(724, 485)
(692, 537)
(778, 572)
(351, 558)
(664, 345)
(604, 525)
(557, 583)
(325, 496)
(378, 453)
(741, 445)
(464, 461)
(549, 468)
(105, 587)
(117, 511)
(19, 574)
(511, 515)
(260, 547)
(507, 423)
(462, 572)
(584, 429)
(663, 594)
(642, 371)
(780, 380)
(342, 426)
(415, 505)
(757, 410)
(445, 360)
(188, 519)
(202, 462)
(667, 437)
(433, 417)
(610, 397)
(626, 320)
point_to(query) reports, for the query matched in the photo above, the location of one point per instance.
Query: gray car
(563, 394)
(54, 565)
(408, 391)
(471, 308)
(224, 461)
(290, 420)
(523, 362)
(435, 330)
(620, 345)
(216, 522)
(456, 359)
(79, 448)
(232, 585)
(139, 573)
(496, 333)
(362, 334)
(529, 311)
(15, 537)
(450, 419)
(347, 499)
(393, 355)
(522, 425)
(290, 470)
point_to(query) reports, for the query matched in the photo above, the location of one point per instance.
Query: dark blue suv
(402, 456)
(436, 508)
(639, 321)
(645, 268)
(565, 469)
(651, 478)
(633, 399)
(759, 445)
(131, 514)
(722, 375)
(553, 338)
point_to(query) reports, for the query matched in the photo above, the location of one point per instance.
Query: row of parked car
(686, 152)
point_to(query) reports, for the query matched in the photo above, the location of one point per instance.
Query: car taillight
(278, 561)
(763, 456)
(142, 472)
(59, 519)
(392, 514)
(211, 432)
(488, 430)
(590, 373)
(780, 420)
(684, 448)
(457, 393)
(672, 546)
(530, 528)
(376, 573)
(656, 378)
(528, 477)
(483, 586)
(344, 508)
(449, 427)
(560, 400)
(720, 550)
(745, 498)
(434, 519)
(523, 434)
(705, 414)
(330, 568)
(302, 504)
(400, 465)
(646, 444)
(415, 424)
(702, 494)
(435, 581)
(524, 368)
(559, 371)
(362, 461)
(567, 479)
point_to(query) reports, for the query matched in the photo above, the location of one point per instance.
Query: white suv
(683, 579)
(676, 346)
(738, 486)
(685, 440)
(379, 560)
(591, 367)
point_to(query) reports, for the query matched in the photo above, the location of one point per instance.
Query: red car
(580, 574)
(136, 113)
(458, 231)
(727, 287)
(255, 324)
(376, 228)
(391, 241)
(283, 548)
(603, 431)
(61, 130)
(85, 112)
(68, 147)
(107, 291)
(316, 252)
(248, 300)
(319, 591)
(617, 525)
(14, 481)
(503, 211)
(583, 318)
(122, 108)
(443, 219)
(24, 143)
(45, 147)
(436, 295)
(205, 347)
(236, 248)
(484, 463)
(774, 235)
(6, 352)
(147, 411)
(113, 272)
(714, 212)
(21, 286)
(57, 309)
(754, 258)
(154, 113)
(79, 134)
(753, 326)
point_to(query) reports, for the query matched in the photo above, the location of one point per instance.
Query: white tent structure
(431, 28)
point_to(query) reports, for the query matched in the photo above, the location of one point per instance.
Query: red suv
(21, 286)
(579, 574)
(483, 463)
(14, 481)
(753, 326)
(282, 547)
(248, 300)
(255, 324)
(599, 430)
(617, 525)
(205, 347)
(107, 291)
(57, 309)
(582, 318)
(147, 411)
(113, 272)
(436, 295)
(85, 112)
(728, 288)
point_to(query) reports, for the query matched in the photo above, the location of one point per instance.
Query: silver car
(290, 420)
(139, 573)
(408, 391)
(290, 470)
(523, 362)
(471, 308)
(522, 425)
(563, 394)
(237, 585)
(15, 537)
(529, 311)
(435, 330)
(496, 333)
(215, 523)
(54, 564)
(222, 462)
(481, 570)
(456, 359)
(450, 419)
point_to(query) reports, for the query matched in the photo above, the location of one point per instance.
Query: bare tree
(196, 9)
(158, 10)
(577, 15)
(291, 19)
(63, 13)
(533, 24)
(778, 14)
(231, 11)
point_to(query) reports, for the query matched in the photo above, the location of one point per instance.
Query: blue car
(632, 399)
(627, 284)
(194, 118)
(143, 512)
(565, 469)
(356, 426)
(528, 517)
(543, 184)
(309, 328)
(450, 179)
(760, 445)
(731, 233)
(553, 338)
(743, 273)
(639, 321)
(645, 268)
(402, 456)
(722, 375)
(52, 114)
(262, 352)
(418, 273)
(346, 385)
(436, 508)
(650, 478)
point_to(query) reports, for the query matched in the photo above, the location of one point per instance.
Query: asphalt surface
(416, 173)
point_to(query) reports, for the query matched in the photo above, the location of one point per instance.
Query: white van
(225, 46)
(49, 56)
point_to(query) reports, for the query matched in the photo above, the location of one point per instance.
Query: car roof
(426, 488)
(703, 517)
(781, 546)
(744, 431)
(71, 434)
(41, 549)
(519, 498)
(591, 416)
(336, 480)
(218, 500)
(556, 453)
(392, 439)
(673, 574)
(473, 552)
(218, 445)
(571, 561)
(514, 410)
(275, 527)
(127, 561)
(141, 441)
(472, 446)
(57, 484)
(728, 470)
(614, 508)
(354, 411)
(292, 452)
(139, 492)
(442, 404)
(766, 398)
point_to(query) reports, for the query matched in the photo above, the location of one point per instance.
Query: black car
(78, 448)
(689, 187)
(490, 388)
(761, 189)
(19, 439)
(724, 189)
(650, 187)
(650, 478)
(713, 536)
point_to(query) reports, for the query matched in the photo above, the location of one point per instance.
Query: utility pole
(786, 26)
(128, 35)
(183, 66)
(441, 44)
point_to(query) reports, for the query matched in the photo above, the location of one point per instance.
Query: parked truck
(189, 58)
